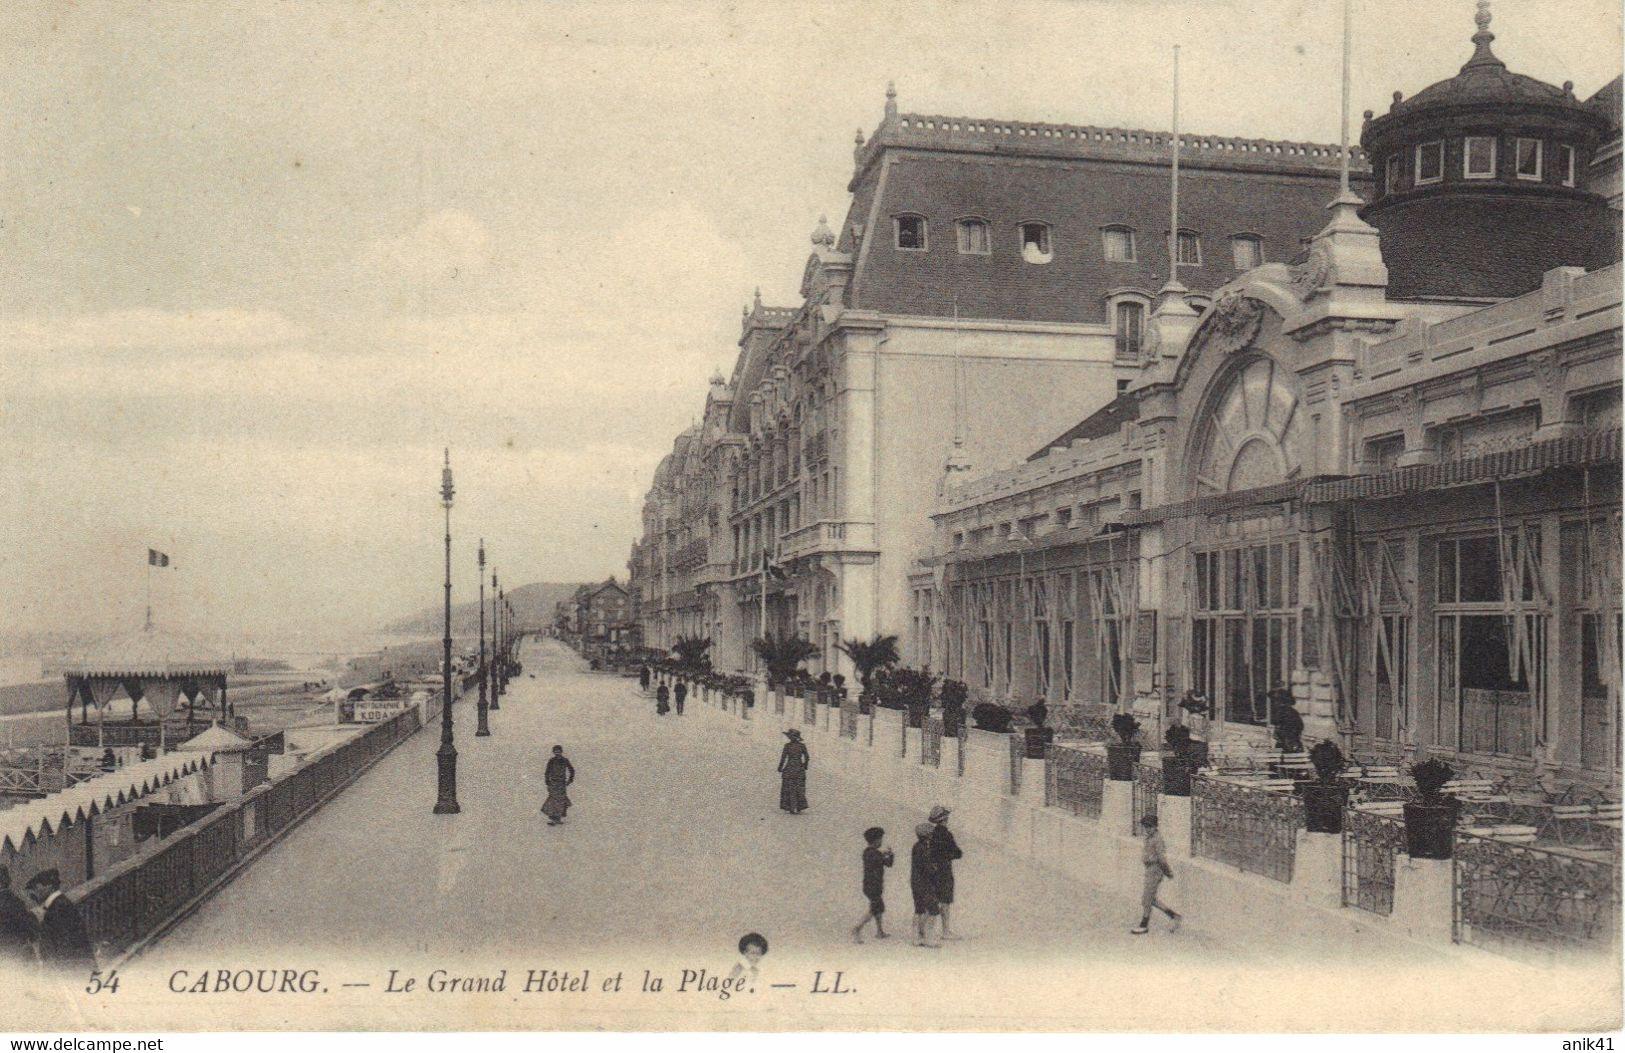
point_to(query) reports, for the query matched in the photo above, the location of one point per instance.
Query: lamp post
(446, 756)
(496, 642)
(484, 730)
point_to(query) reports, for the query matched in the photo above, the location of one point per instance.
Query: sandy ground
(674, 849)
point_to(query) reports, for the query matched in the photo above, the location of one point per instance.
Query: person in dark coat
(643, 679)
(944, 850)
(680, 693)
(661, 708)
(793, 765)
(922, 882)
(1287, 720)
(18, 929)
(64, 943)
(559, 775)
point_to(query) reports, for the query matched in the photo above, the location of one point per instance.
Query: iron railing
(1074, 780)
(931, 742)
(1147, 794)
(778, 703)
(849, 720)
(1018, 754)
(809, 710)
(135, 897)
(1371, 844)
(1251, 829)
(1514, 898)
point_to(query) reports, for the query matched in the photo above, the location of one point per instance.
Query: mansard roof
(1277, 191)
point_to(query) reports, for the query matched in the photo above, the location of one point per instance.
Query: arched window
(975, 238)
(1118, 244)
(1036, 246)
(1246, 251)
(911, 233)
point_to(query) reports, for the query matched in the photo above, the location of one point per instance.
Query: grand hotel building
(1369, 454)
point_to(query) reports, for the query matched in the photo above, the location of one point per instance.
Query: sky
(260, 263)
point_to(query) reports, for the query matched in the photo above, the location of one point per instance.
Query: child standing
(1154, 857)
(922, 881)
(875, 860)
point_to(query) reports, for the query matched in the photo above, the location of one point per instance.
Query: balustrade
(1514, 898)
(1075, 780)
(1371, 845)
(1251, 829)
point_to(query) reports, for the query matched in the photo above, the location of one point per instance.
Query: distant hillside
(533, 606)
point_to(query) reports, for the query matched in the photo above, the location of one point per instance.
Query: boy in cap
(875, 860)
(63, 941)
(1155, 858)
(922, 882)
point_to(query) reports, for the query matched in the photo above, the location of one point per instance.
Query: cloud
(146, 328)
(447, 246)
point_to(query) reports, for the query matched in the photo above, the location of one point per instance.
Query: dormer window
(1035, 243)
(1118, 243)
(1189, 247)
(911, 233)
(1246, 251)
(1430, 162)
(1395, 166)
(1565, 164)
(1478, 159)
(974, 237)
(1130, 325)
(1529, 159)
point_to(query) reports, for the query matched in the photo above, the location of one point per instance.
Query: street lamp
(484, 730)
(496, 643)
(447, 754)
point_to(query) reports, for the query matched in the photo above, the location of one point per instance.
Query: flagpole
(1343, 174)
(148, 626)
(1173, 200)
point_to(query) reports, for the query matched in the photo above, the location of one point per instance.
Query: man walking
(679, 693)
(560, 773)
(944, 850)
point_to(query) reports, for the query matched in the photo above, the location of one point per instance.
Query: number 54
(99, 983)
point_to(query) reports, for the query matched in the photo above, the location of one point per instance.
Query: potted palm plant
(913, 692)
(868, 656)
(1325, 798)
(1430, 821)
(1178, 761)
(783, 655)
(1122, 754)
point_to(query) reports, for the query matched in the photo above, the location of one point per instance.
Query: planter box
(1323, 805)
(1037, 744)
(1430, 830)
(1120, 761)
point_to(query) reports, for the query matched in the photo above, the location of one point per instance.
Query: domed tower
(1478, 183)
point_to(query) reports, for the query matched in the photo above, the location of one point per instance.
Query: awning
(1212, 504)
(1602, 447)
(1064, 537)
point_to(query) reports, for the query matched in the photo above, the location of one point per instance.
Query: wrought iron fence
(778, 704)
(809, 710)
(1018, 754)
(136, 896)
(1251, 829)
(849, 720)
(1513, 897)
(1074, 780)
(1371, 842)
(1147, 789)
(931, 742)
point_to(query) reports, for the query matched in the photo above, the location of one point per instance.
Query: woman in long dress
(793, 764)
(559, 775)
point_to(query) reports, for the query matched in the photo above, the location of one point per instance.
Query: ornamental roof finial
(891, 99)
(822, 235)
(1483, 56)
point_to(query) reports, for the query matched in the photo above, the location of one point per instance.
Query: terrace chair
(1381, 782)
